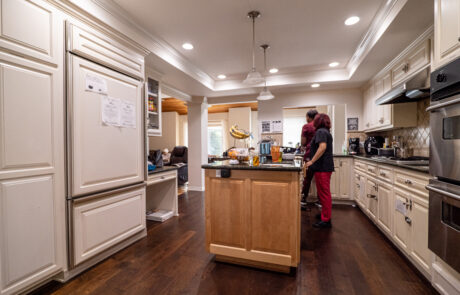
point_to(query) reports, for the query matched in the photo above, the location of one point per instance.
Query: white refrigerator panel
(102, 156)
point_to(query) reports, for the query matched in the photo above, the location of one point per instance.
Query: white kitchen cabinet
(33, 29)
(32, 184)
(104, 222)
(372, 198)
(446, 31)
(360, 190)
(154, 109)
(341, 179)
(385, 202)
(415, 60)
(419, 232)
(401, 232)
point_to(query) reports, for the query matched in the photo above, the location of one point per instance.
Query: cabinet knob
(408, 220)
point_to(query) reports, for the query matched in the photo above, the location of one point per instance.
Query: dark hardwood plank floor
(351, 258)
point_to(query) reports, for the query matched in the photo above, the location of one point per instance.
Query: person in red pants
(322, 164)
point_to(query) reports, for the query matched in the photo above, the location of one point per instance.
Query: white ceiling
(304, 35)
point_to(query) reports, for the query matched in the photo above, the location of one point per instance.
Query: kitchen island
(253, 214)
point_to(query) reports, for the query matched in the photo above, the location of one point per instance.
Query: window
(292, 128)
(215, 138)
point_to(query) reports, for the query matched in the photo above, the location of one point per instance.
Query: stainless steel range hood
(417, 88)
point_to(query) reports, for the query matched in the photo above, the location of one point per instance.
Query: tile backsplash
(416, 138)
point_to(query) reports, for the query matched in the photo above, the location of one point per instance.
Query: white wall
(169, 135)
(254, 128)
(183, 130)
(242, 118)
(272, 109)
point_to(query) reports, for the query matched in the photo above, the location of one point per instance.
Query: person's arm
(318, 154)
(303, 140)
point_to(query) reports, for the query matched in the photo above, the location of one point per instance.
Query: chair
(179, 155)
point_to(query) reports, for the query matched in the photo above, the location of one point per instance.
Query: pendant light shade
(265, 94)
(254, 77)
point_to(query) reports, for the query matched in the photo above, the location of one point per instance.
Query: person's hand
(308, 164)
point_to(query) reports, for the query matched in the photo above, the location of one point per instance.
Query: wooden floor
(351, 258)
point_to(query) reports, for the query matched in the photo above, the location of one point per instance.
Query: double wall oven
(444, 189)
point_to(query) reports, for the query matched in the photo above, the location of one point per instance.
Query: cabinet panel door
(102, 223)
(335, 178)
(372, 198)
(270, 232)
(95, 144)
(401, 229)
(419, 58)
(27, 231)
(33, 28)
(398, 73)
(385, 201)
(228, 212)
(344, 179)
(357, 189)
(447, 34)
(419, 234)
(387, 83)
(362, 190)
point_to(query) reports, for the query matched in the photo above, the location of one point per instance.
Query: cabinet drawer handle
(382, 174)
(408, 181)
(408, 220)
(358, 185)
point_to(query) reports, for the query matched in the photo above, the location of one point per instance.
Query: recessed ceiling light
(333, 64)
(273, 71)
(221, 76)
(187, 46)
(315, 85)
(352, 20)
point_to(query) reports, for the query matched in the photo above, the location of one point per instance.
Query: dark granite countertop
(342, 156)
(424, 169)
(286, 166)
(163, 169)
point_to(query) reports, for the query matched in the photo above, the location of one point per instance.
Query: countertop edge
(377, 161)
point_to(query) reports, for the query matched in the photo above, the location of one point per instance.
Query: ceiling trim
(384, 17)
(382, 20)
(173, 92)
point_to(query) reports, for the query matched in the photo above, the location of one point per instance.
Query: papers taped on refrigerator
(118, 112)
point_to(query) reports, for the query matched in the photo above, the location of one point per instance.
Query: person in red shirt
(308, 132)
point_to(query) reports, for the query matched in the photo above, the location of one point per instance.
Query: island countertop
(283, 166)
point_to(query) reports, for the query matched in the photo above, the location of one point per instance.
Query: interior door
(102, 156)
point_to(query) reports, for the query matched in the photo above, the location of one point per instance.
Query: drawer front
(101, 223)
(360, 166)
(371, 169)
(160, 177)
(412, 182)
(99, 48)
(385, 174)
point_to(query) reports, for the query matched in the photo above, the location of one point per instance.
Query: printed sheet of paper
(265, 127)
(277, 126)
(95, 84)
(127, 114)
(110, 110)
(401, 207)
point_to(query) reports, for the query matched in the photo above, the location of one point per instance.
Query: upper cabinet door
(447, 31)
(32, 28)
(105, 50)
(419, 57)
(104, 156)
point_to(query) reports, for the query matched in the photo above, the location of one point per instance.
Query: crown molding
(110, 16)
(379, 25)
(173, 92)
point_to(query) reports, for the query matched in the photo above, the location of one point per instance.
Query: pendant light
(265, 94)
(253, 77)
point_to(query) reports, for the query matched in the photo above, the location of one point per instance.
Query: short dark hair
(322, 121)
(312, 113)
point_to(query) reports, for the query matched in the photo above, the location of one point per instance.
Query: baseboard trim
(195, 188)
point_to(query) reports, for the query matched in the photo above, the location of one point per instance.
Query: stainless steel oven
(444, 221)
(444, 189)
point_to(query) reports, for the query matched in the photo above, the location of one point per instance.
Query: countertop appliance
(386, 152)
(353, 145)
(372, 144)
(105, 140)
(415, 89)
(444, 190)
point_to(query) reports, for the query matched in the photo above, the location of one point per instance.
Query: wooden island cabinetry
(253, 217)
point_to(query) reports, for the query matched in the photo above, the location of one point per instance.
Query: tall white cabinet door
(344, 179)
(447, 31)
(32, 189)
(103, 156)
(385, 201)
(32, 28)
(401, 228)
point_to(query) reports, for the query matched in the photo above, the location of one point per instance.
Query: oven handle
(443, 104)
(442, 192)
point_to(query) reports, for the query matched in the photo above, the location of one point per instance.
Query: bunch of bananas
(238, 133)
